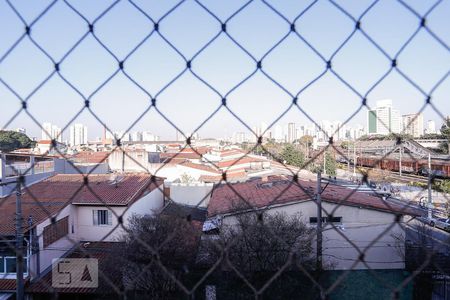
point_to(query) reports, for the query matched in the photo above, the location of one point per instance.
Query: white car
(441, 223)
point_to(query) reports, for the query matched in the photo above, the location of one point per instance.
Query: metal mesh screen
(210, 57)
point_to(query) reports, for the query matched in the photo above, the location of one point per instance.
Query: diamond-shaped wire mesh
(193, 66)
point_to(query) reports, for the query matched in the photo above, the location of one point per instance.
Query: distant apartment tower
(292, 133)
(136, 136)
(278, 134)
(239, 137)
(413, 124)
(78, 135)
(50, 132)
(147, 136)
(383, 119)
(431, 127)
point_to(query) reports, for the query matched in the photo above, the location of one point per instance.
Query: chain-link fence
(198, 218)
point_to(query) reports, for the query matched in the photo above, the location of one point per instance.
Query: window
(54, 232)
(8, 264)
(313, 220)
(102, 217)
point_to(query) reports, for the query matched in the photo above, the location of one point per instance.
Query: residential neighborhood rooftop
(46, 198)
(274, 190)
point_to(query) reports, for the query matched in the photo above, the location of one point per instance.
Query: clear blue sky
(188, 101)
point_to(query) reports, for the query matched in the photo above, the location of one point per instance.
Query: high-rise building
(50, 132)
(292, 133)
(147, 136)
(413, 124)
(278, 134)
(384, 119)
(136, 136)
(78, 135)
(431, 127)
(239, 137)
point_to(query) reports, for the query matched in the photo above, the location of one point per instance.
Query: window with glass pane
(102, 217)
(10, 263)
(2, 264)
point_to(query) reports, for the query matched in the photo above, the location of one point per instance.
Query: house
(360, 231)
(64, 210)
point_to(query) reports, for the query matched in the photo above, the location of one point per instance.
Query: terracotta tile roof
(239, 161)
(99, 250)
(54, 193)
(231, 175)
(259, 194)
(166, 156)
(90, 157)
(202, 167)
(231, 152)
(7, 285)
(44, 142)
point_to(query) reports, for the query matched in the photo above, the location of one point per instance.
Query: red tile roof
(231, 152)
(46, 198)
(91, 157)
(202, 167)
(231, 175)
(44, 142)
(281, 190)
(238, 161)
(178, 155)
(7, 284)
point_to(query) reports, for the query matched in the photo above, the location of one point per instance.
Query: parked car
(441, 223)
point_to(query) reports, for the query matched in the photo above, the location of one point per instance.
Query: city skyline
(188, 101)
(279, 132)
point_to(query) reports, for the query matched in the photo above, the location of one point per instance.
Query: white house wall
(191, 194)
(361, 226)
(58, 248)
(86, 231)
(149, 204)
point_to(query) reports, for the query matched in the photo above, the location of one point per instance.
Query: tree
(257, 246)
(186, 178)
(445, 131)
(307, 142)
(12, 140)
(292, 156)
(330, 164)
(157, 250)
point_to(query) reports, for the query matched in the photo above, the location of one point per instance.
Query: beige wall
(361, 226)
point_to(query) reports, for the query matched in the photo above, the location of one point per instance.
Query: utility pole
(400, 161)
(348, 158)
(319, 223)
(354, 160)
(430, 202)
(19, 239)
(324, 163)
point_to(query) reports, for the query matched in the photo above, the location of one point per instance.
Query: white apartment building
(384, 119)
(413, 124)
(78, 135)
(50, 132)
(291, 132)
(431, 127)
